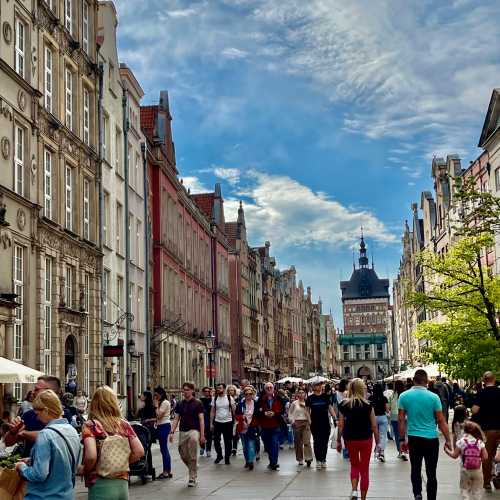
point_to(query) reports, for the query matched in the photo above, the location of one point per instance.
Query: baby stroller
(144, 467)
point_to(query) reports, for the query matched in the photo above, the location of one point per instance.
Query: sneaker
(301, 463)
(404, 458)
(381, 457)
(191, 483)
(233, 452)
(318, 465)
(354, 495)
(218, 460)
(418, 497)
(323, 465)
(202, 451)
(308, 463)
(208, 454)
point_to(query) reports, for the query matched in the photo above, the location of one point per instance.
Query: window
(131, 297)
(48, 79)
(367, 351)
(105, 219)
(130, 227)
(497, 179)
(118, 156)
(105, 292)
(138, 243)
(119, 292)
(138, 177)
(130, 169)
(20, 48)
(380, 351)
(119, 228)
(47, 206)
(19, 290)
(86, 116)
(19, 146)
(358, 351)
(69, 98)
(85, 26)
(47, 341)
(68, 287)
(68, 15)
(138, 316)
(345, 349)
(68, 219)
(105, 137)
(86, 209)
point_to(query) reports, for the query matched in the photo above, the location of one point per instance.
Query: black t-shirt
(378, 404)
(189, 412)
(488, 401)
(319, 407)
(357, 423)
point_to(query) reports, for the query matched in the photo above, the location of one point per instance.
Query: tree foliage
(464, 337)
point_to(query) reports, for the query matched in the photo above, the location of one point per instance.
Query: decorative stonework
(5, 240)
(21, 219)
(33, 170)
(6, 110)
(7, 32)
(5, 147)
(21, 100)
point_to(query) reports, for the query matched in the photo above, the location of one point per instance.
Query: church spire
(363, 259)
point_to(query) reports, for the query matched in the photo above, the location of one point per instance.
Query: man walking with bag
(222, 421)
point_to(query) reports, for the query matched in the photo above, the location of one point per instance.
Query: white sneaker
(318, 465)
(323, 465)
(354, 495)
(191, 483)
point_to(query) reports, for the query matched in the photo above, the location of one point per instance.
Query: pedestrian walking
(423, 412)
(55, 455)
(147, 414)
(445, 395)
(206, 401)
(191, 422)
(247, 427)
(458, 423)
(486, 410)
(380, 406)
(300, 420)
(222, 422)
(357, 426)
(270, 410)
(163, 426)
(399, 388)
(109, 446)
(233, 393)
(320, 409)
(472, 451)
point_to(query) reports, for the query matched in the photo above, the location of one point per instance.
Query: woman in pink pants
(358, 426)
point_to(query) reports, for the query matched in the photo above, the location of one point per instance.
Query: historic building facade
(363, 347)
(182, 278)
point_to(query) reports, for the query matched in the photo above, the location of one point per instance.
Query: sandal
(165, 476)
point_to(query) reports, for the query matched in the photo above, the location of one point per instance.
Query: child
(472, 451)
(457, 426)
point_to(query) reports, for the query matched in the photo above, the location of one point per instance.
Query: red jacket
(277, 406)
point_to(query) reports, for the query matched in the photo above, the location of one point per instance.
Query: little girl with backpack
(471, 449)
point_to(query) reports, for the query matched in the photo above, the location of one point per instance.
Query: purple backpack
(471, 455)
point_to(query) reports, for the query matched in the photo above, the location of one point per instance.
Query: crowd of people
(355, 417)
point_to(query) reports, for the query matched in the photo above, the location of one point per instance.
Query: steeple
(242, 230)
(241, 214)
(363, 259)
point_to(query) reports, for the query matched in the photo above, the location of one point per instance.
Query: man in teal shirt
(422, 409)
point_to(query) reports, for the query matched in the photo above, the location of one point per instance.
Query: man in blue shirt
(423, 411)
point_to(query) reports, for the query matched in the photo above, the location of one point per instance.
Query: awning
(17, 373)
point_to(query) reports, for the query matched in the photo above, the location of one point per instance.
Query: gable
(492, 119)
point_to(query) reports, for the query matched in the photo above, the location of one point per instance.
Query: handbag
(113, 456)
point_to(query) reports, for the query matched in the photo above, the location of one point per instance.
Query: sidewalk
(389, 481)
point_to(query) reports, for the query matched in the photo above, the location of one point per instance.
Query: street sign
(113, 351)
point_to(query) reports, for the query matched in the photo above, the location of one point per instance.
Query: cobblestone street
(390, 481)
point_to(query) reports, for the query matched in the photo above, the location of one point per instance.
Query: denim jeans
(271, 438)
(395, 433)
(163, 432)
(382, 424)
(248, 441)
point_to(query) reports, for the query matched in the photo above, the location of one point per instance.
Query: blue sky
(321, 115)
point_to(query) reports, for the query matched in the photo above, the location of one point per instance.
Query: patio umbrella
(16, 373)
(293, 380)
(317, 378)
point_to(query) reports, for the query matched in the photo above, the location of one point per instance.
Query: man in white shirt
(221, 422)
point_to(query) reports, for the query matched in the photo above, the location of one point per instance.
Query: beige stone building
(49, 180)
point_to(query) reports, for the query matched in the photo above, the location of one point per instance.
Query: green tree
(465, 339)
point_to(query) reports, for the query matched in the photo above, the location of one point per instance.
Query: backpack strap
(73, 459)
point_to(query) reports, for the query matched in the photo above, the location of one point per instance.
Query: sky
(322, 116)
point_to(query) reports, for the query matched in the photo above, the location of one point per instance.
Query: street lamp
(210, 341)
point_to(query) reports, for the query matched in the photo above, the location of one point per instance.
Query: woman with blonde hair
(358, 426)
(54, 457)
(247, 427)
(109, 445)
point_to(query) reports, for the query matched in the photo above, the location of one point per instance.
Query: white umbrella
(293, 380)
(317, 378)
(16, 373)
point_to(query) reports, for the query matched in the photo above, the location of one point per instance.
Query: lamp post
(210, 340)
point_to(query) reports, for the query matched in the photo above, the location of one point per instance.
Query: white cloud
(194, 185)
(231, 175)
(181, 13)
(282, 210)
(234, 53)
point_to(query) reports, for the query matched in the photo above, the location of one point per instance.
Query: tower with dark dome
(363, 346)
